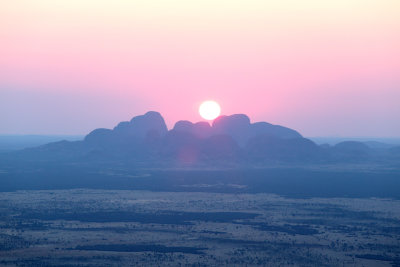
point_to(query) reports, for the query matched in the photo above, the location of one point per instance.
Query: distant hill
(10, 142)
(237, 126)
(229, 141)
(372, 142)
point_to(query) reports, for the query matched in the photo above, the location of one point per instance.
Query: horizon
(171, 126)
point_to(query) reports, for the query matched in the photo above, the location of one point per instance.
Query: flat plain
(96, 227)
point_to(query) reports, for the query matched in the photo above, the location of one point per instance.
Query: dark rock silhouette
(199, 129)
(141, 125)
(270, 147)
(239, 127)
(136, 138)
(135, 130)
(275, 130)
(99, 136)
(229, 140)
(184, 147)
(220, 148)
(180, 146)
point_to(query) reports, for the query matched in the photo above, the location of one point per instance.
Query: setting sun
(209, 110)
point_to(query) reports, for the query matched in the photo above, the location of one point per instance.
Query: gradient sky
(324, 68)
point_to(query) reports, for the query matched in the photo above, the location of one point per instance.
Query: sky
(324, 68)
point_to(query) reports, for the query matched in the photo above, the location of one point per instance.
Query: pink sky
(324, 68)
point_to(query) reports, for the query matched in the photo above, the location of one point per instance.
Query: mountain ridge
(228, 140)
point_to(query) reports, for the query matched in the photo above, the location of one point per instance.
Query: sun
(209, 110)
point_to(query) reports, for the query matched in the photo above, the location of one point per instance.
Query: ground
(87, 227)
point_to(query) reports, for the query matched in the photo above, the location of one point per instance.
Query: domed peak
(260, 128)
(152, 120)
(122, 125)
(236, 125)
(98, 135)
(150, 124)
(202, 125)
(140, 125)
(202, 129)
(150, 115)
(241, 117)
(183, 126)
(153, 114)
(232, 121)
(199, 129)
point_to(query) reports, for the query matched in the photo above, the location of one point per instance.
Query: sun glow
(209, 110)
